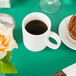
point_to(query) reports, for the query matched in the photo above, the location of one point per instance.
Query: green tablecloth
(48, 61)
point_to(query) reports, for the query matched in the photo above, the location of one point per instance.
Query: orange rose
(3, 42)
(7, 42)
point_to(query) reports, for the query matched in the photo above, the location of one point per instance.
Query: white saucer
(64, 33)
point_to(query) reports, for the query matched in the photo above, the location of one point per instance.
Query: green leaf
(7, 67)
(8, 56)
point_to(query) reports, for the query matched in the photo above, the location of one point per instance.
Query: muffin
(72, 27)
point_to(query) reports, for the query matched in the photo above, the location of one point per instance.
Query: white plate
(7, 20)
(64, 33)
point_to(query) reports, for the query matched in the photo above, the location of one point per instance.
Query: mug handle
(57, 38)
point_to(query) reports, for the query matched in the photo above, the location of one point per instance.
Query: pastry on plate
(72, 27)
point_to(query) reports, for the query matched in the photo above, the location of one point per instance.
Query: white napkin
(71, 70)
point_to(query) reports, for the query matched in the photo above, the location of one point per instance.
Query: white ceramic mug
(39, 42)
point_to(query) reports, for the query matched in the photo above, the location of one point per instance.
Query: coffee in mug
(36, 27)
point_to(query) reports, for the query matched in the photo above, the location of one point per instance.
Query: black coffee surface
(36, 27)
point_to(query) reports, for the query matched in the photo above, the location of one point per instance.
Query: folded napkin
(69, 71)
(5, 4)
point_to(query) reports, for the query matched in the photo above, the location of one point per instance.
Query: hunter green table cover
(48, 61)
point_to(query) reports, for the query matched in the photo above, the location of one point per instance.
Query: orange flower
(3, 42)
(7, 42)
